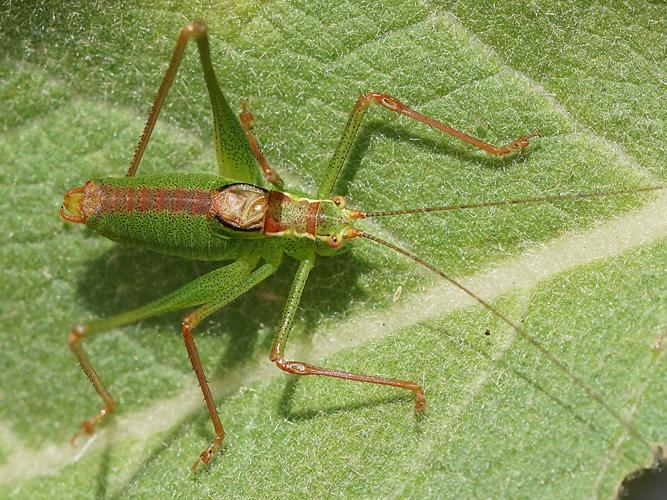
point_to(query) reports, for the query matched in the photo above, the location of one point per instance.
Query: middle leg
(300, 368)
(392, 104)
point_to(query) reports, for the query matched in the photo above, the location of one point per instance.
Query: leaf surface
(588, 278)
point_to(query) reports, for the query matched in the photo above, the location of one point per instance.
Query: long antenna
(525, 335)
(361, 214)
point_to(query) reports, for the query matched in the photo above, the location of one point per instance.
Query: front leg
(392, 104)
(300, 368)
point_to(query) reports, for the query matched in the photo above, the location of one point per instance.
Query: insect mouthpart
(72, 208)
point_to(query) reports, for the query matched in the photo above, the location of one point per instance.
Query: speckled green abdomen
(164, 213)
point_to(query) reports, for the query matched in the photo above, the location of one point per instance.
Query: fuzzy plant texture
(588, 279)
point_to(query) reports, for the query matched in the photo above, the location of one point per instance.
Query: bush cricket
(243, 214)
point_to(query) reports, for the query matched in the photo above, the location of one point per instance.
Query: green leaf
(588, 279)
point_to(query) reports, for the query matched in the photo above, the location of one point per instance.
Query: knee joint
(186, 326)
(194, 28)
(76, 334)
(290, 366)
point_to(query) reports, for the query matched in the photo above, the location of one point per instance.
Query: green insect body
(243, 214)
(205, 217)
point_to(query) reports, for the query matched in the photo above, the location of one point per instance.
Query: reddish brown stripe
(195, 203)
(188, 201)
(158, 199)
(130, 195)
(311, 217)
(144, 197)
(153, 196)
(104, 199)
(178, 202)
(115, 195)
(120, 199)
(201, 203)
(126, 199)
(272, 223)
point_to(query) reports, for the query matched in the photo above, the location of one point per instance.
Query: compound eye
(335, 241)
(339, 201)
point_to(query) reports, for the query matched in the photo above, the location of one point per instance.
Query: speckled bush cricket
(237, 216)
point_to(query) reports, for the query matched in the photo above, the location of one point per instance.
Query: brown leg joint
(298, 368)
